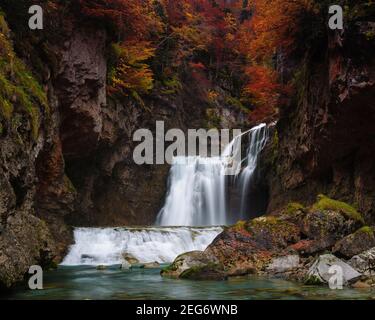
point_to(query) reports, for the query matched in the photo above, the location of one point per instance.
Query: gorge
(71, 196)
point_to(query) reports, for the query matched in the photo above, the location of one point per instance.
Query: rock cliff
(324, 138)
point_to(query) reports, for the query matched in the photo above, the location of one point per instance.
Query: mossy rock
(367, 230)
(210, 271)
(20, 92)
(188, 260)
(360, 241)
(313, 280)
(324, 203)
(273, 232)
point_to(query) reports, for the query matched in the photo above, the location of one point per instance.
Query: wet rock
(357, 242)
(364, 284)
(152, 265)
(364, 262)
(185, 261)
(328, 224)
(130, 258)
(26, 241)
(210, 271)
(101, 268)
(282, 264)
(251, 245)
(321, 272)
(311, 247)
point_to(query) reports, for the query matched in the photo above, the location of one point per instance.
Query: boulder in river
(364, 262)
(194, 265)
(130, 258)
(321, 272)
(151, 265)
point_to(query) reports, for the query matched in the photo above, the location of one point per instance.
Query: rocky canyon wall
(324, 142)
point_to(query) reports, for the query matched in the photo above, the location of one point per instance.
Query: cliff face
(66, 156)
(325, 140)
(26, 127)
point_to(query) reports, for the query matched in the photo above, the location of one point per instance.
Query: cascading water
(198, 186)
(258, 137)
(95, 246)
(198, 196)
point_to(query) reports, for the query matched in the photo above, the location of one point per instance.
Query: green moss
(366, 229)
(171, 85)
(370, 35)
(235, 102)
(6, 108)
(171, 268)
(240, 225)
(198, 270)
(69, 185)
(293, 208)
(325, 203)
(19, 91)
(313, 281)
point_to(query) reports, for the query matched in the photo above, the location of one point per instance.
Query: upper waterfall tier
(198, 187)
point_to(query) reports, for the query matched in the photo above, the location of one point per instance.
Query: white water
(198, 186)
(258, 137)
(95, 246)
(196, 195)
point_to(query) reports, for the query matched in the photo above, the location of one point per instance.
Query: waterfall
(196, 194)
(198, 187)
(258, 138)
(96, 246)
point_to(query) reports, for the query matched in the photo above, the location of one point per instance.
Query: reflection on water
(88, 283)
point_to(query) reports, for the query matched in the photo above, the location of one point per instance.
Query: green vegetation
(313, 280)
(19, 91)
(293, 208)
(366, 229)
(171, 85)
(325, 203)
(69, 185)
(240, 225)
(236, 103)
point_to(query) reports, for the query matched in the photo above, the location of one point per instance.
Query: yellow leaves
(131, 72)
(212, 96)
(275, 25)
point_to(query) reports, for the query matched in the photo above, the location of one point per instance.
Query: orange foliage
(214, 38)
(131, 73)
(275, 25)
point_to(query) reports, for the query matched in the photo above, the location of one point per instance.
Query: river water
(86, 282)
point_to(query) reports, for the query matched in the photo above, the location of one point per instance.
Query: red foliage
(131, 18)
